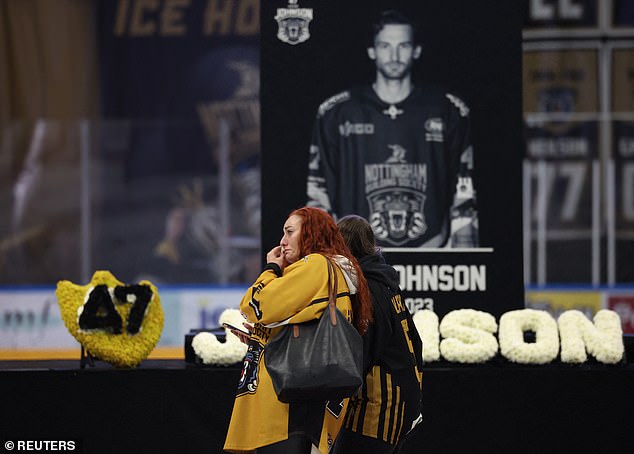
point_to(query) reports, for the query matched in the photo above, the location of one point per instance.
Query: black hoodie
(390, 400)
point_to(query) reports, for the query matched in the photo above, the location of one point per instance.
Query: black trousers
(349, 442)
(294, 445)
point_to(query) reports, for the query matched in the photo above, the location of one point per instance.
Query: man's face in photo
(394, 51)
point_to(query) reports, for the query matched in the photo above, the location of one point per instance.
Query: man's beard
(395, 71)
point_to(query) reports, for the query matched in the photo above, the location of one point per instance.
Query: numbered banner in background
(553, 18)
(621, 17)
(578, 18)
(621, 168)
(562, 111)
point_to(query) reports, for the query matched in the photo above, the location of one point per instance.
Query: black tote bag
(317, 360)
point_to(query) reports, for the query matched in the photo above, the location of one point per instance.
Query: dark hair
(320, 234)
(392, 17)
(358, 234)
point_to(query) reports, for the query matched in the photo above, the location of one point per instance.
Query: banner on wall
(557, 302)
(621, 174)
(587, 300)
(577, 102)
(178, 194)
(437, 173)
(623, 304)
(31, 320)
(556, 19)
(165, 183)
(562, 115)
(621, 17)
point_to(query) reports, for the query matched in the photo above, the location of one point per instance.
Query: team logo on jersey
(398, 154)
(248, 382)
(348, 128)
(434, 129)
(293, 23)
(397, 216)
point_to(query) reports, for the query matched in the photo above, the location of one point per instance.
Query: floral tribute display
(213, 352)
(603, 339)
(426, 323)
(468, 336)
(117, 323)
(515, 348)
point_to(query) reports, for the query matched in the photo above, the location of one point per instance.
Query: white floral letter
(211, 351)
(468, 336)
(603, 340)
(512, 327)
(426, 323)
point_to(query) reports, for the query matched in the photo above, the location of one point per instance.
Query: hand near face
(275, 256)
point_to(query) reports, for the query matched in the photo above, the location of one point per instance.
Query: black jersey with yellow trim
(397, 165)
(390, 400)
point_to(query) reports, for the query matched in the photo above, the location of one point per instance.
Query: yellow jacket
(299, 295)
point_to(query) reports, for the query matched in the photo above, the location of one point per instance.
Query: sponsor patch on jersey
(347, 128)
(459, 103)
(332, 101)
(434, 129)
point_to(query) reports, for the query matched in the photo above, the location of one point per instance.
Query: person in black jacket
(389, 405)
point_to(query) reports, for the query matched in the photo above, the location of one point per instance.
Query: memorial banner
(331, 138)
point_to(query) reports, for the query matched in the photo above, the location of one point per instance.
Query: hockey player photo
(407, 114)
(395, 152)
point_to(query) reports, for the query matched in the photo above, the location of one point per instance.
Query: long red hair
(320, 234)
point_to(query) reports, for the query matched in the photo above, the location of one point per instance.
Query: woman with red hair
(293, 288)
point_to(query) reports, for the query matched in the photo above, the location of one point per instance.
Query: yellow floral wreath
(117, 323)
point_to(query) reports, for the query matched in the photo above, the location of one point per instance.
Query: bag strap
(332, 296)
(332, 291)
